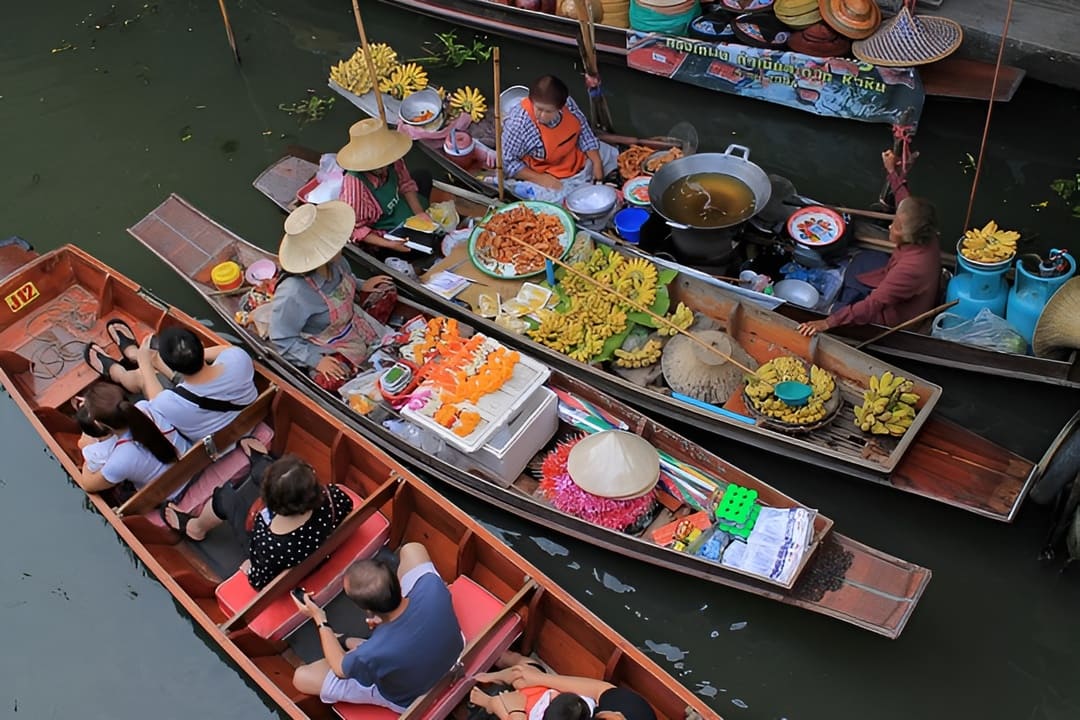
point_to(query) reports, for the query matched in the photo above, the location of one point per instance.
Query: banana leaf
(660, 306)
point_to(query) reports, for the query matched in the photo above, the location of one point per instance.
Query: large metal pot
(725, 163)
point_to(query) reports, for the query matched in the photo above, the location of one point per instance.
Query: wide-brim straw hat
(1058, 329)
(819, 40)
(614, 464)
(314, 234)
(908, 40)
(372, 145)
(855, 19)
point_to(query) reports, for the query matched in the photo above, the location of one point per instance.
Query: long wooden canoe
(838, 576)
(945, 463)
(506, 599)
(955, 78)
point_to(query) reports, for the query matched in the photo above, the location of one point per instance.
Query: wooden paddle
(907, 323)
(228, 31)
(598, 107)
(634, 304)
(370, 61)
(499, 172)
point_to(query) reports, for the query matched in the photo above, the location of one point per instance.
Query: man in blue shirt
(415, 638)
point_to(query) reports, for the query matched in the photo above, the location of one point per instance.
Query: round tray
(506, 271)
(815, 226)
(832, 409)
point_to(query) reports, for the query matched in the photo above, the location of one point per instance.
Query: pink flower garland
(564, 494)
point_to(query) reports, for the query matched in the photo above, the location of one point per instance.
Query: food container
(591, 201)
(636, 190)
(260, 271)
(465, 144)
(628, 223)
(793, 394)
(983, 265)
(511, 97)
(797, 292)
(227, 276)
(421, 108)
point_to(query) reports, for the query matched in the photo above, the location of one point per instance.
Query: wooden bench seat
(282, 617)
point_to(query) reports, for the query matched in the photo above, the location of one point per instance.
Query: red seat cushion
(475, 608)
(282, 617)
(230, 467)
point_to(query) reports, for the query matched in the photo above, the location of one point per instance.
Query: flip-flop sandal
(123, 341)
(106, 361)
(182, 519)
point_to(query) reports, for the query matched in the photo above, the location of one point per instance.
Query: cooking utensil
(591, 201)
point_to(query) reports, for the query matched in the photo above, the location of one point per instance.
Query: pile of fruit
(888, 406)
(788, 368)
(989, 244)
(590, 324)
(470, 101)
(354, 74)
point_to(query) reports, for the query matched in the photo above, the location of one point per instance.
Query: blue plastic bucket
(628, 222)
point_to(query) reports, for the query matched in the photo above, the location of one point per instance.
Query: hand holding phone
(300, 596)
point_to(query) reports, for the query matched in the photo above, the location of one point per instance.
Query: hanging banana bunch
(468, 100)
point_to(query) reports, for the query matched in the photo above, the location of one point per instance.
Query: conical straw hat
(614, 464)
(908, 40)
(372, 145)
(1058, 328)
(314, 234)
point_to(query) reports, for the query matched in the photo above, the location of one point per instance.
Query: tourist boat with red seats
(63, 299)
(835, 575)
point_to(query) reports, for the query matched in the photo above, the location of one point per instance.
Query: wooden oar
(370, 60)
(907, 323)
(598, 107)
(228, 31)
(634, 304)
(499, 172)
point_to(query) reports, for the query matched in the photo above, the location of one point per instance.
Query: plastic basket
(737, 511)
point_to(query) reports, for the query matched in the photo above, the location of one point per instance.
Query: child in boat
(314, 321)
(144, 443)
(281, 514)
(892, 289)
(96, 443)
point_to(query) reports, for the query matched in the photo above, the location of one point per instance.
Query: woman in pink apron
(314, 320)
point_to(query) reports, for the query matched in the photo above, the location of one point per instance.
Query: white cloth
(235, 383)
(131, 461)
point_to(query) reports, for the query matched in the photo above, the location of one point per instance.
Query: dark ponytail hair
(107, 404)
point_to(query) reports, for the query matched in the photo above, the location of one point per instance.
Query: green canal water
(105, 109)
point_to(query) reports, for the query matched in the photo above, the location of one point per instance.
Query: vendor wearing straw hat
(314, 321)
(892, 289)
(548, 146)
(377, 185)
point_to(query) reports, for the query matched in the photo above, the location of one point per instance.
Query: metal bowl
(797, 292)
(734, 161)
(421, 108)
(591, 201)
(511, 97)
(987, 267)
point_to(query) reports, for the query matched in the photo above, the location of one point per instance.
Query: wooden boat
(940, 460)
(952, 77)
(869, 588)
(501, 599)
(281, 181)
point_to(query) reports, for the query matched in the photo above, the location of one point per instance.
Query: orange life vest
(562, 156)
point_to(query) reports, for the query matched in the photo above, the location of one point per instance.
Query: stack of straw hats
(797, 14)
(820, 40)
(616, 13)
(855, 19)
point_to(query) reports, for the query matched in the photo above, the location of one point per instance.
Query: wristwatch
(321, 625)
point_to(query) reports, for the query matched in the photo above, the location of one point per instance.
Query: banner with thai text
(832, 87)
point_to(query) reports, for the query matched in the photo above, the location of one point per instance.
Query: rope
(51, 355)
(989, 112)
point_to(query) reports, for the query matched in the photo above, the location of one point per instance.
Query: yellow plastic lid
(225, 273)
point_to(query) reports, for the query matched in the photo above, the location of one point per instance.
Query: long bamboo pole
(634, 304)
(598, 107)
(497, 100)
(229, 31)
(989, 112)
(370, 60)
(907, 323)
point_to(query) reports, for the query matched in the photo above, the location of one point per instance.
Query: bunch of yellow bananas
(404, 80)
(468, 100)
(637, 280)
(823, 382)
(888, 406)
(760, 389)
(644, 356)
(776, 408)
(989, 244)
(355, 76)
(682, 318)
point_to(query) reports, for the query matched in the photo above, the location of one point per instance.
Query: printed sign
(832, 87)
(22, 297)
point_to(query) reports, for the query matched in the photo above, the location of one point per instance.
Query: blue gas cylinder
(977, 288)
(1031, 291)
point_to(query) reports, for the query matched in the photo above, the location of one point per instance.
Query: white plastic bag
(985, 330)
(330, 177)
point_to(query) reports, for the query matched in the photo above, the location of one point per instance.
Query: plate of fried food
(512, 241)
(652, 164)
